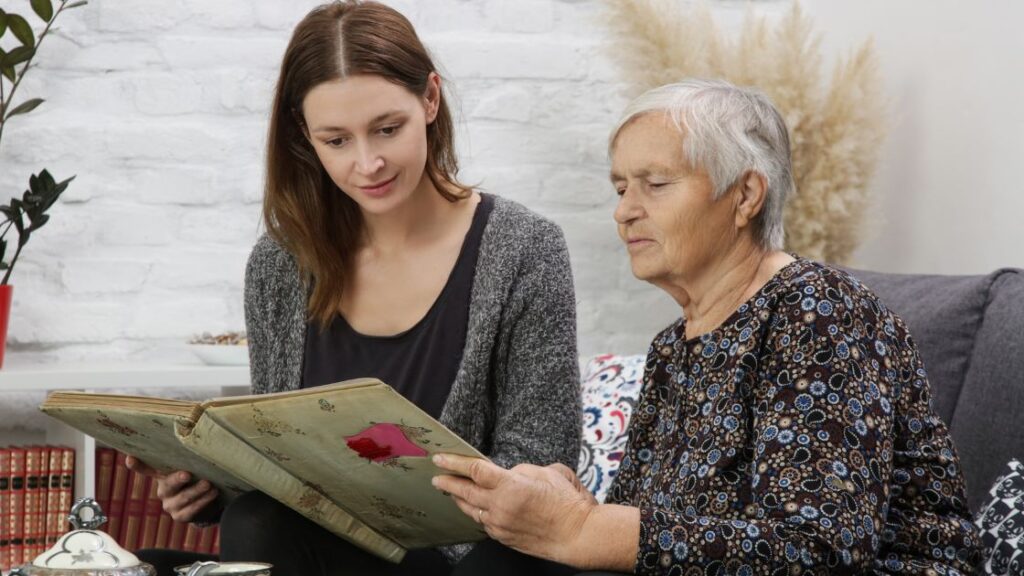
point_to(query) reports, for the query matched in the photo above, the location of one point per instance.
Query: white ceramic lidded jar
(85, 551)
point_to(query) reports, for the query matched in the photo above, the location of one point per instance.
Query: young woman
(378, 262)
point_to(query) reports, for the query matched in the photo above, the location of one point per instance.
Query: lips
(379, 188)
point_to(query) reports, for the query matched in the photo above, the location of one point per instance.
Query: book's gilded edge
(213, 442)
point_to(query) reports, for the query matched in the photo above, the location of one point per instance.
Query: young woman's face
(371, 137)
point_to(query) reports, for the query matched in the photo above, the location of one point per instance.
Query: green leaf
(63, 185)
(17, 56)
(3, 22)
(8, 71)
(76, 4)
(43, 9)
(3, 250)
(48, 182)
(38, 221)
(22, 31)
(25, 107)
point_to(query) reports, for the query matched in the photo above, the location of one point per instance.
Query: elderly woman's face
(666, 216)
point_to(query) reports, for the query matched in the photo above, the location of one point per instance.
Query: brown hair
(303, 209)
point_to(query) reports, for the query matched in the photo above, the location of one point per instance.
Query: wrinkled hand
(182, 499)
(536, 510)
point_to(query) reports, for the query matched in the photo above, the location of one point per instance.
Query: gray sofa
(970, 332)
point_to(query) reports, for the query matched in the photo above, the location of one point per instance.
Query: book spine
(67, 489)
(205, 540)
(176, 541)
(39, 509)
(16, 514)
(5, 505)
(118, 492)
(104, 476)
(28, 523)
(53, 510)
(151, 516)
(191, 538)
(163, 531)
(135, 503)
(216, 540)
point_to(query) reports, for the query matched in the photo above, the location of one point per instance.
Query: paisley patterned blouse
(796, 438)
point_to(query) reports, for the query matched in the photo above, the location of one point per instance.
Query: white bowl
(222, 354)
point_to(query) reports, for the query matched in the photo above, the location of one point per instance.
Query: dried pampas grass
(835, 130)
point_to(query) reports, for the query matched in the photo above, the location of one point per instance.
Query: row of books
(135, 516)
(35, 499)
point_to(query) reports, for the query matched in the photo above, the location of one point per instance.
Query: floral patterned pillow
(1001, 522)
(610, 387)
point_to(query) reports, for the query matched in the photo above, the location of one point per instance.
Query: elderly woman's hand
(537, 510)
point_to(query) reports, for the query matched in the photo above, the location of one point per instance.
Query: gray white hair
(728, 131)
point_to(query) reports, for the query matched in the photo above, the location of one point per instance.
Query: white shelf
(230, 380)
(106, 376)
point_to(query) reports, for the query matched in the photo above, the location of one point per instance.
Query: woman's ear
(751, 190)
(432, 96)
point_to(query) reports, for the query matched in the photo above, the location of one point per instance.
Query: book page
(365, 447)
(209, 438)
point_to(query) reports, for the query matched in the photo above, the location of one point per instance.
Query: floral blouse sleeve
(768, 445)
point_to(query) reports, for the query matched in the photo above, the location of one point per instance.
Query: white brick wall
(160, 109)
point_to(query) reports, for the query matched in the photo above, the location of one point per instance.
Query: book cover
(353, 456)
(5, 505)
(54, 515)
(16, 513)
(118, 494)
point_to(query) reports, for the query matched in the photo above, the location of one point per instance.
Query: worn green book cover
(353, 457)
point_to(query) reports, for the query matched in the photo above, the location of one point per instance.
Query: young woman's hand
(183, 499)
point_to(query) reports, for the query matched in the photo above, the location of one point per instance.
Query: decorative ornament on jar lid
(85, 551)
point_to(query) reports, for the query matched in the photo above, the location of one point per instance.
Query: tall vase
(6, 291)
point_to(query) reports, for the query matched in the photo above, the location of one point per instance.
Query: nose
(628, 208)
(368, 161)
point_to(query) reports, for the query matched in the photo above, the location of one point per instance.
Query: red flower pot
(5, 313)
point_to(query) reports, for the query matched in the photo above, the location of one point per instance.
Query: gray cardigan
(516, 396)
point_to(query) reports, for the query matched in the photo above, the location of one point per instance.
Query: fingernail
(434, 481)
(438, 460)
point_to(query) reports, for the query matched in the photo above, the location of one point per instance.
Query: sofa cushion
(1001, 523)
(610, 388)
(988, 424)
(970, 331)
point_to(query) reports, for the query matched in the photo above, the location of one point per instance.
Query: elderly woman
(784, 425)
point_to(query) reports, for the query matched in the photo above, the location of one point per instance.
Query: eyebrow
(643, 172)
(376, 119)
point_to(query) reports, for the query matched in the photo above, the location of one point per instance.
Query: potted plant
(27, 214)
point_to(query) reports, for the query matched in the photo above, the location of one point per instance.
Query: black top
(420, 363)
